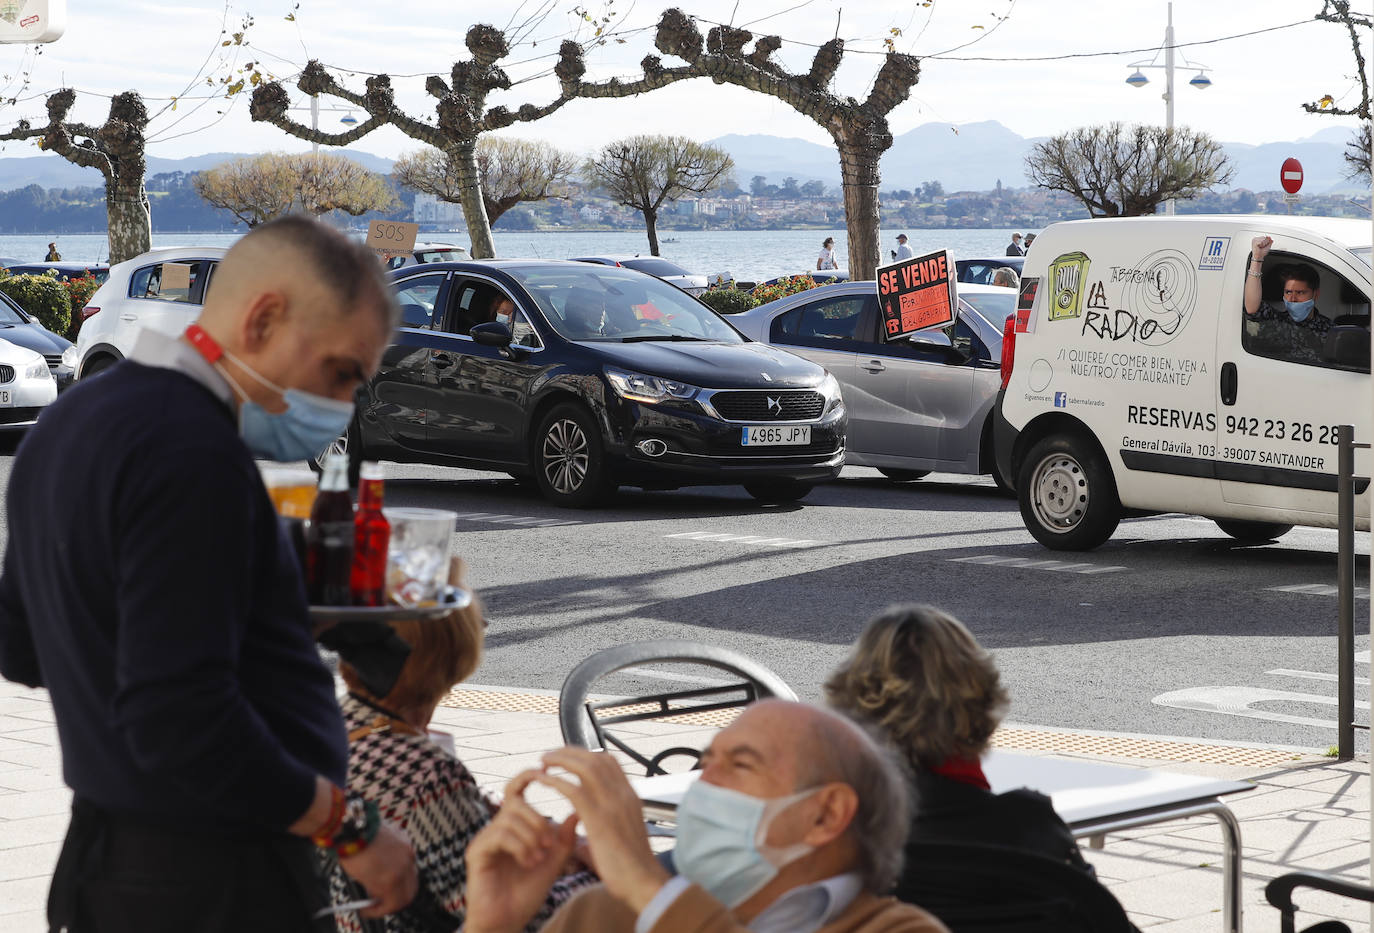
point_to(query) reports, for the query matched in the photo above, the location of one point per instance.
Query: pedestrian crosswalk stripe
(756, 540)
(1318, 589)
(1032, 563)
(498, 518)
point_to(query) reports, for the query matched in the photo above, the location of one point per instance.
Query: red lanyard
(206, 345)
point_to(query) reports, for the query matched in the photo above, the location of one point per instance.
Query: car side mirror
(1347, 345)
(492, 334)
(931, 339)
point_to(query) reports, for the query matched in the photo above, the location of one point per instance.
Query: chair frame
(1279, 893)
(578, 717)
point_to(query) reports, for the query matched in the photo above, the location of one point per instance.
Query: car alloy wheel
(565, 456)
(569, 464)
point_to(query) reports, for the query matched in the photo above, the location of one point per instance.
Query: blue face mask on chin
(309, 424)
(1299, 310)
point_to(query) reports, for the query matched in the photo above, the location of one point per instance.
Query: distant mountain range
(966, 157)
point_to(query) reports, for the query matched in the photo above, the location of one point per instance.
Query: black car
(64, 270)
(586, 377)
(22, 330)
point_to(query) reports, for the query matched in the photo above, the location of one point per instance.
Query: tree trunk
(464, 157)
(859, 176)
(651, 225)
(129, 221)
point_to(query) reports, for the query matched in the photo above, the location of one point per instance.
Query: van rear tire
(1067, 495)
(1253, 531)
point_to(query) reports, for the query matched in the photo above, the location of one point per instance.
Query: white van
(1133, 380)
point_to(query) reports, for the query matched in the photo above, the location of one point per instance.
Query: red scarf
(963, 770)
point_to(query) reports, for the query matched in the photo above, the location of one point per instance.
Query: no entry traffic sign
(1290, 175)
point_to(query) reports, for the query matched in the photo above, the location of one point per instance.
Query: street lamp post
(1199, 81)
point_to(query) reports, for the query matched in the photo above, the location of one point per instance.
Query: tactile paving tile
(1007, 737)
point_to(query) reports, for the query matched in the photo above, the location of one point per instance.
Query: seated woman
(921, 680)
(417, 784)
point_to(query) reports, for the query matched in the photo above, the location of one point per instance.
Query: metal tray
(453, 597)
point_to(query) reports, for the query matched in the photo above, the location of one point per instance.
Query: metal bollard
(1345, 586)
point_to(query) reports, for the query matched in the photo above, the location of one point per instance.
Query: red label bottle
(371, 539)
(329, 538)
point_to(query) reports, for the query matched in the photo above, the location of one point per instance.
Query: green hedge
(42, 296)
(729, 300)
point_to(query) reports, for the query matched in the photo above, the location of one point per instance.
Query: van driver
(1297, 329)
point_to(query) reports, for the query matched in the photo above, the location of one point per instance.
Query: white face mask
(722, 841)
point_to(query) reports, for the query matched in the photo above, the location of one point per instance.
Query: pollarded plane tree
(859, 128)
(461, 112)
(1359, 26)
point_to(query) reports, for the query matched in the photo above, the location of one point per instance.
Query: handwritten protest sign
(917, 293)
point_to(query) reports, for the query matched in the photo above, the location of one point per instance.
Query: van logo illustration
(775, 406)
(1061, 400)
(1214, 253)
(1067, 275)
(1157, 298)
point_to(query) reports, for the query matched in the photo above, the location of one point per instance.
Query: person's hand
(614, 820)
(386, 868)
(513, 862)
(1259, 247)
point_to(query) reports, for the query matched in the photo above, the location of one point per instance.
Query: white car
(428, 252)
(26, 386)
(161, 289)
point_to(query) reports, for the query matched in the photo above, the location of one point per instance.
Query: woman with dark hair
(417, 783)
(920, 678)
(826, 260)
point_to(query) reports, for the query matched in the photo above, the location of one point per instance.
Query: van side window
(1324, 338)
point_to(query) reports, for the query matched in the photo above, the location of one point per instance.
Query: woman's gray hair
(844, 752)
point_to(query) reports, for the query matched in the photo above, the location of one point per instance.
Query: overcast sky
(1260, 81)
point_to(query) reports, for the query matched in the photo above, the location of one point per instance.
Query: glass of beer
(292, 490)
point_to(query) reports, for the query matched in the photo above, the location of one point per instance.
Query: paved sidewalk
(1307, 812)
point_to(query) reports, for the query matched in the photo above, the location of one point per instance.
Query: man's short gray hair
(843, 752)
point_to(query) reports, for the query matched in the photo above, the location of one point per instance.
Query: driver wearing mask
(584, 312)
(1297, 327)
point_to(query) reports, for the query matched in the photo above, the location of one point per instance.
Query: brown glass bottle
(371, 539)
(329, 538)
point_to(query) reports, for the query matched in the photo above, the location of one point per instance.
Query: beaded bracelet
(361, 824)
(338, 803)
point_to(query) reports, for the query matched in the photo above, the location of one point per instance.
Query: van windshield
(1363, 253)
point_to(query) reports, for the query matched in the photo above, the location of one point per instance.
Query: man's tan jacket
(695, 911)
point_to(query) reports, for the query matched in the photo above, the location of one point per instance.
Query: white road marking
(684, 678)
(1318, 589)
(1031, 563)
(1239, 701)
(1324, 676)
(720, 538)
(498, 518)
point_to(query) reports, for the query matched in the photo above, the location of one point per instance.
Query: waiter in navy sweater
(148, 586)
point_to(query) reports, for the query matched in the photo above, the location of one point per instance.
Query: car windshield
(654, 266)
(605, 303)
(441, 254)
(1364, 254)
(9, 314)
(993, 308)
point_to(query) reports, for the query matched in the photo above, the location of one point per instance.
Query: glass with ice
(418, 559)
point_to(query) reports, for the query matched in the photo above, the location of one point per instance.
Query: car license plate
(776, 435)
(5, 400)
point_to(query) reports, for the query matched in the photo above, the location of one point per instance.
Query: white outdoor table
(1093, 799)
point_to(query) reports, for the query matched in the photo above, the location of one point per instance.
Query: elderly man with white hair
(797, 824)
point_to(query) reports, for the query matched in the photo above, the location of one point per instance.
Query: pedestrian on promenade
(826, 260)
(149, 586)
(903, 251)
(53, 254)
(1014, 248)
(920, 678)
(797, 823)
(1030, 238)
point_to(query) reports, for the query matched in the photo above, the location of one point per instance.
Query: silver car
(917, 405)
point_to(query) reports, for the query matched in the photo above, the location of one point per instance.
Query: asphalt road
(1156, 632)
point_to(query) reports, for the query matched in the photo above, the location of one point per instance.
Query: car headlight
(37, 370)
(830, 388)
(640, 387)
(70, 357)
